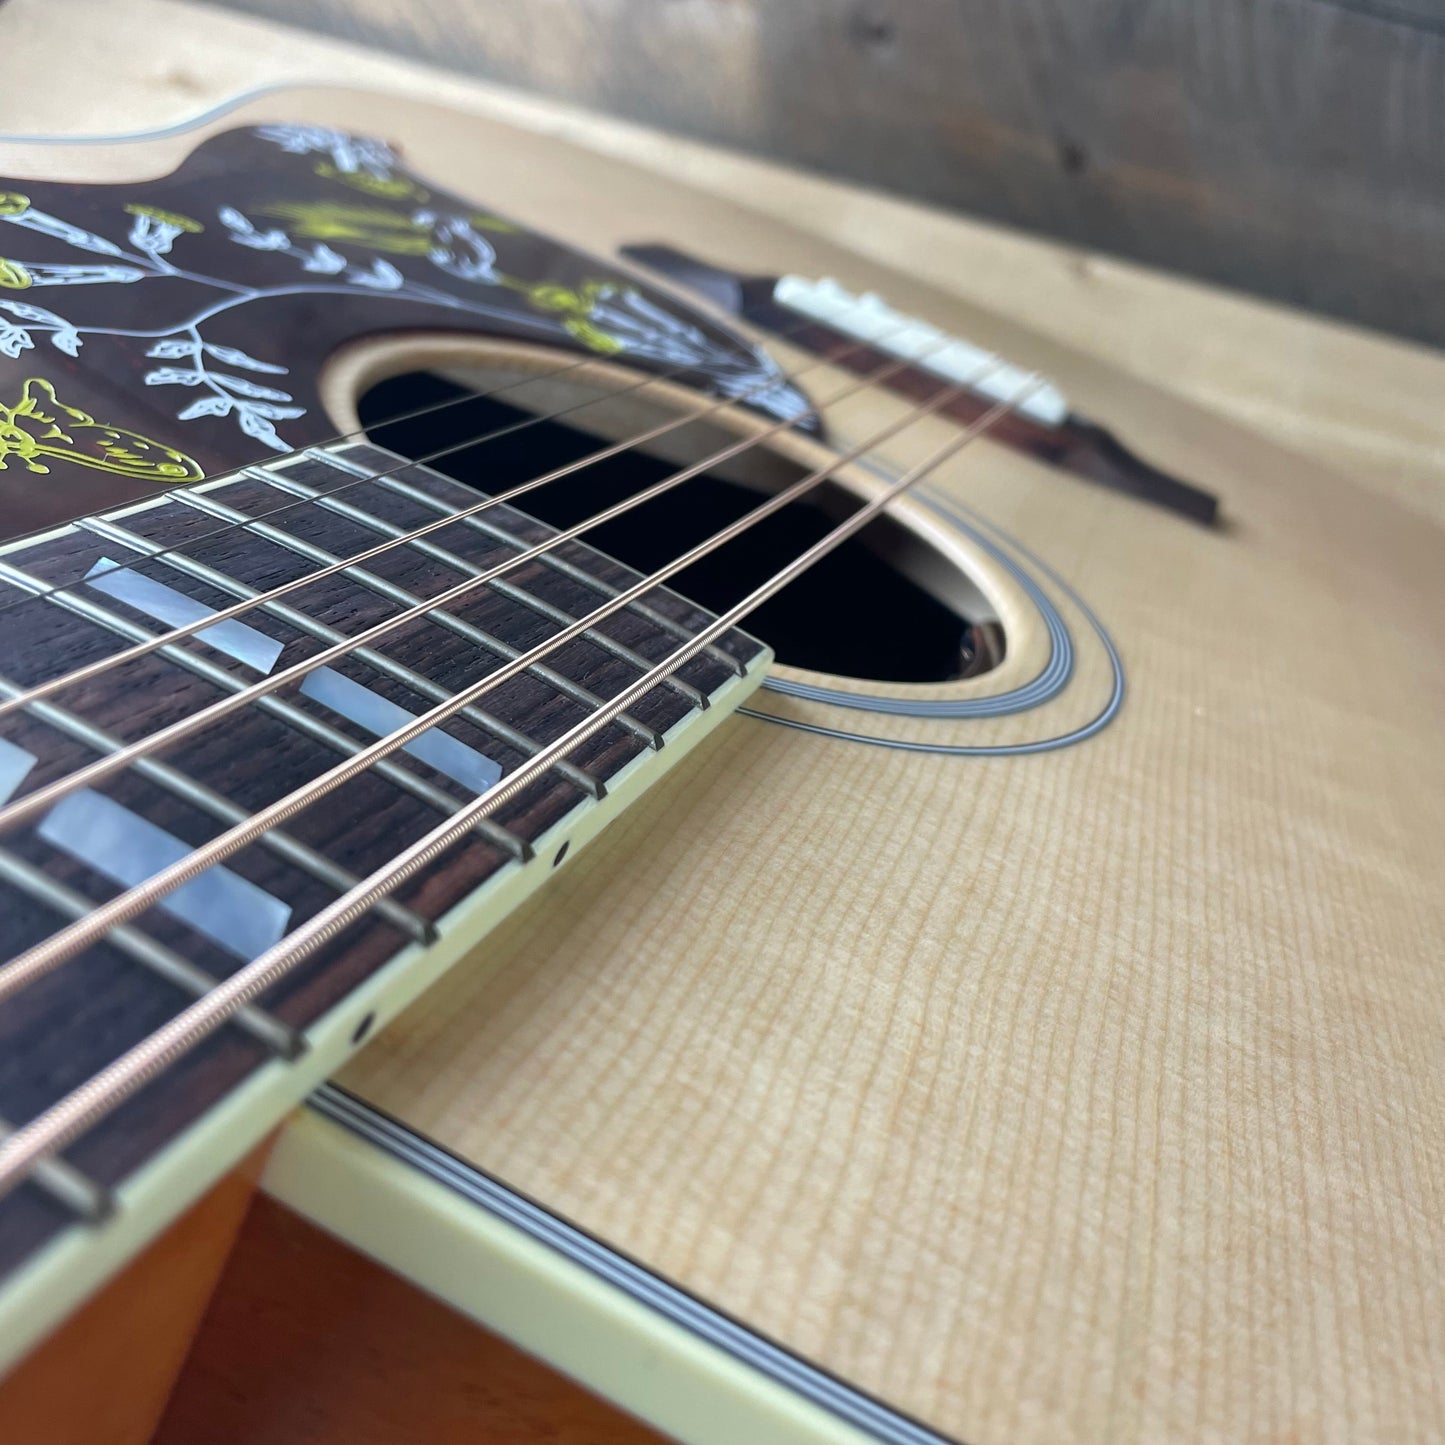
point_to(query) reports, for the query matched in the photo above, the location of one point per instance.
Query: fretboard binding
(181, 785)
(570, 570)
(434, 797)
(141, 948)
(509, 590)
(178, 561)
(207, 503)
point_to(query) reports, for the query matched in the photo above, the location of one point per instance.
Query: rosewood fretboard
(67, 602)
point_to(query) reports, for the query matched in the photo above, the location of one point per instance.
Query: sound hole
(854, 614)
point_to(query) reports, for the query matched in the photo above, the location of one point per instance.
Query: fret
(179, 560)
(303, 622)
(442, 617)
(68, 1187)
(63, 557)
(276, 477)
(292, 850)
(62, 1029)
(165, 963)
(502, 526)
(428, 491)
(99, 841)
(296, 717)
(330, 533)
(522, 546)
(558, 563)
(384, 476)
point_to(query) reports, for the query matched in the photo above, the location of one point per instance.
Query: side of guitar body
(1070, 1071)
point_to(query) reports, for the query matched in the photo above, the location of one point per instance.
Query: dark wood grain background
(1294, 148)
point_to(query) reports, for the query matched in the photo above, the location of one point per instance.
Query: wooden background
(1294, 148)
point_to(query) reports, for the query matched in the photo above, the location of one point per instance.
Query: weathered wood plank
(1292, 149)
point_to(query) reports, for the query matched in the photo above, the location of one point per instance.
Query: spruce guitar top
(1017, 1015)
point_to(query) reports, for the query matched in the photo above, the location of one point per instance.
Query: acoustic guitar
(820, 863)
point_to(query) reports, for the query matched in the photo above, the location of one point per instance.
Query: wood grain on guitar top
(1095, 1094)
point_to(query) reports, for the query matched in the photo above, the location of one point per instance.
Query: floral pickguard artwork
(40, 429)
(343, 218)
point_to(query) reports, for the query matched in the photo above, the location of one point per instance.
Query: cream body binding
(1093, 1094)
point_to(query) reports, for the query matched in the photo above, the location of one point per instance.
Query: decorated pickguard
(157, 332)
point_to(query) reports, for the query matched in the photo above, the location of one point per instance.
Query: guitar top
(1004, 978)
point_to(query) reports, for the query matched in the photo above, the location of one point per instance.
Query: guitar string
(828, 357)
(101, 665)
(30, 803)
(940, 399)
(84, 1106)
(42, 957)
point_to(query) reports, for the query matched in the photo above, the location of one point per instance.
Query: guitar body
(1056, 1052)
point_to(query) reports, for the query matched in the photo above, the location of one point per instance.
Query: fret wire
(276, 1037)
(510, 590)
(14, 973)
(179, 562)
(53, 952)
(64, 1121)
(292, 850)
(558, 564)
(303, 721)
(190, 493)
(394, 593)
(31, 802)
(65, 1184)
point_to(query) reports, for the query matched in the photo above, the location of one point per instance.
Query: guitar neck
(114, 581)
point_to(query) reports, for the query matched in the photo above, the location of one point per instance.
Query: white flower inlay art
(323, 240)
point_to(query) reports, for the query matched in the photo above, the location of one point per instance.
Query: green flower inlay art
(366, 216)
